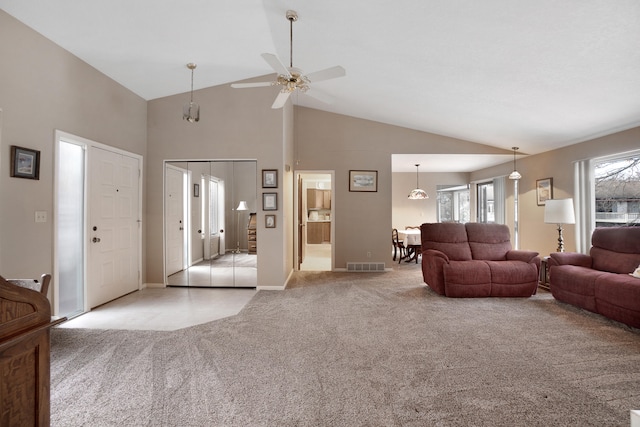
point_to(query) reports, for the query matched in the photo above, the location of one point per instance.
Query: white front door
(113, 226)
(174, 199)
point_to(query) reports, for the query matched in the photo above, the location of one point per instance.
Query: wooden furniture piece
(252, 236)
(414, 243)
(318, 199)
(25, 322)
(398, 245)
(318, 232)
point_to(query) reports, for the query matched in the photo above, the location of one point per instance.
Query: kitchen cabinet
(318, 199)
(318, 232)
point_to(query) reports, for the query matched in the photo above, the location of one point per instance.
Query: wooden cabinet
(318, 232)
(24, 356)
(318, 199)
(252, 235)
(326, 232)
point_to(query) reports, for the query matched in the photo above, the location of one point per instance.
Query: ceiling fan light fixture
(515, 175)
(191, 111)
(418, 193)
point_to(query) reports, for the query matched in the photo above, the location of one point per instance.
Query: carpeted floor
(349, 349)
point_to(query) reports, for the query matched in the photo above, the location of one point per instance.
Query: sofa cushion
(488, 241)
(467, 279)
(616, 249)
(574, 285)
(513, 278)
(618, 297)
(449, 238)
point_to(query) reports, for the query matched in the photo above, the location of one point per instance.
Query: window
(486, 208)
(453, 203)
(617, 190)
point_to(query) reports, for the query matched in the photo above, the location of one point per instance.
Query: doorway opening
(316, 207)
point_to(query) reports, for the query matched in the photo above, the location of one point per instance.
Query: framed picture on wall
(25, 163)
(363, 180)
(269, 178)
(196, 190)
(544, 190)
(270, 221)
(269, 201)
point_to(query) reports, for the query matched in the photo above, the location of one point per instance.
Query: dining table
(412, 241)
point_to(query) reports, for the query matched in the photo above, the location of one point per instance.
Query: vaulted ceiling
(535, 74)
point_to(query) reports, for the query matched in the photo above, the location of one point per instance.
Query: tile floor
(165, 309)
(173, 308)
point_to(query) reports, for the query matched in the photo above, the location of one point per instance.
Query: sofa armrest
(522, 255)
(435, 253)
(570, 258)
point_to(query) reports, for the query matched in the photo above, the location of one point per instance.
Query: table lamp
(560, 212)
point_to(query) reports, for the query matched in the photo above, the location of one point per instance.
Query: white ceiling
(535, 74)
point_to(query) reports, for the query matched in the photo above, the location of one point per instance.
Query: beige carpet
(349, 349)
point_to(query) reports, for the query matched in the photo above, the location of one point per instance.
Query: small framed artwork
(196, 190)
(544, 190)
(363, 180)
(269, 178)
(269, 201)
(270, 221)
(25, 163)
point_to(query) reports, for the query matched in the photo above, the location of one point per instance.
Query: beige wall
(44, 88)
(234, 124)
(559, 165)
(326, 141)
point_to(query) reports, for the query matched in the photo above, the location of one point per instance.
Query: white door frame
(303, 173)
(86, 144)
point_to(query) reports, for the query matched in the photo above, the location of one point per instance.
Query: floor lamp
(242, 206)
(560, 212)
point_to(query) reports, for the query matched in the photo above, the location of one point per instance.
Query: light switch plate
(41, 216)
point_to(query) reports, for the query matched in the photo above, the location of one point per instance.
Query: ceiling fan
(291, 78)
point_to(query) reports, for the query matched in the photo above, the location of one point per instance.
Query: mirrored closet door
(210, 223)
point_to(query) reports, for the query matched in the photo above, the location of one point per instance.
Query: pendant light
(191, 111)
(417, 193)
(515, 174)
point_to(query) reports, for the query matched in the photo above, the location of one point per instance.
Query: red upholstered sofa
(476, 260)
(601, 282)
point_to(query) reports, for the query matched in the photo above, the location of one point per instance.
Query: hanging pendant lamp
(417, 193)
(191, 111)
(515, 174)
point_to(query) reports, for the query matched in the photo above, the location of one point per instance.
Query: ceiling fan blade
(320, 96)
(245, 85)
(276, 64)
(326, 74)
(281, 99)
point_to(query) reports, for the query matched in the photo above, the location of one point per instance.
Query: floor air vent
(365, 266)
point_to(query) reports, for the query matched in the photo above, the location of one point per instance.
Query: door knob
(96, 239)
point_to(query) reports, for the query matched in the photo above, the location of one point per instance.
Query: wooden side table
(543, 280)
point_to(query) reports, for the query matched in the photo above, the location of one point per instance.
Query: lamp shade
(242, 206)
(559, 211)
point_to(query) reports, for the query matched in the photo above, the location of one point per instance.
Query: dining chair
(398, 245)
(413, 251)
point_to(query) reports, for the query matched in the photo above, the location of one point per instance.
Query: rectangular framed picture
(269, 178)
(544, 190)
(196, 190)
(269, 201)
(363, 180)
(270, 221)
(25, 163)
